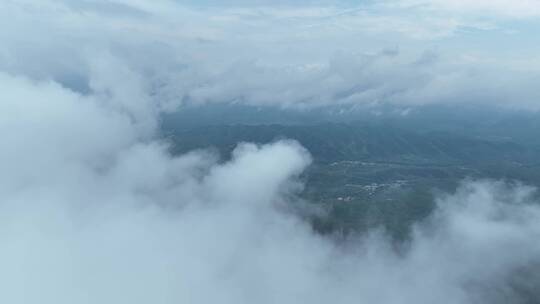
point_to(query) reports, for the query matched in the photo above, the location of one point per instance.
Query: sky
(94, 208)
(300, 54)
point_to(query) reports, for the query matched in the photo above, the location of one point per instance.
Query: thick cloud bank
(290, 54)
(92, 210)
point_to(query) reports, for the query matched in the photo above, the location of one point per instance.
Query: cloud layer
(298, 55)
(93, 209)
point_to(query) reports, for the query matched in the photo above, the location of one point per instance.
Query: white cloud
(93, 209)
(168, 53)
(499, 8)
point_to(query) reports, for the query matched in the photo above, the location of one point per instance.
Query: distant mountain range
(331, 142)
(376, 170)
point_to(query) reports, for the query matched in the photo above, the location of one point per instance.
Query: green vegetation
(369, 175)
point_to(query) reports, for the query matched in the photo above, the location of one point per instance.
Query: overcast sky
(284, 53)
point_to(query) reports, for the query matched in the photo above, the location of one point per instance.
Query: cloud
(304, 55)
(501, 8)
(93, 209)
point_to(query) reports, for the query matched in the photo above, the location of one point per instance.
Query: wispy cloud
(495, 8)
